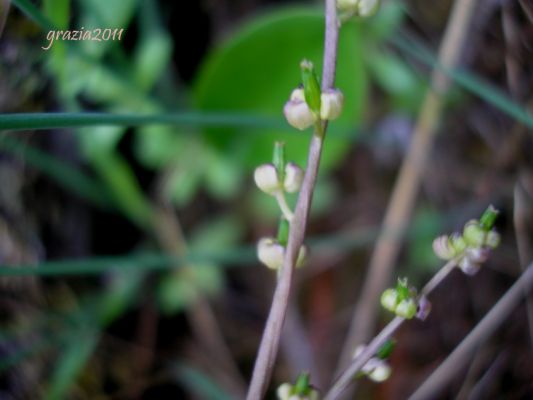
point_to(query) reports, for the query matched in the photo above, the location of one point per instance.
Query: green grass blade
(199, 383)
(34, 13)
(64, 174)
(70, 363)
(36, 121)
(467, 80)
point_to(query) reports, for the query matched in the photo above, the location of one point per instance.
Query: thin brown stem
(346, 378)
(268, 348)
(404, 194)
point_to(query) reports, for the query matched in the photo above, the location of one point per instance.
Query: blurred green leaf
(257, 69)
(74, 355)
(180, 288)
(123, 288)
(123, 186)
(113, 14)
(397, 79)
(64, 174)
(199, 383)
(151, 56)
(387, 21)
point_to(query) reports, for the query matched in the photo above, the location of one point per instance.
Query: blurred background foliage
(151, 212)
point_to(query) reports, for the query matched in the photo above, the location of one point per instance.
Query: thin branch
(346, 378)
(406, 187)
(271, 336)
(201, 316)
(463, 353)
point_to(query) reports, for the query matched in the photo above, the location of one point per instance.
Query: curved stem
(284, 207)
(268, 348)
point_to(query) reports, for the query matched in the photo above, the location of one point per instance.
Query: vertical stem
(268, 348)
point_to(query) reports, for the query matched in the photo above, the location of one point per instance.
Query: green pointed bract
(312, 90)
(402, 289)
(283, 231)
(278, 159)
(488, 218)
(386, 349)
(302, 384)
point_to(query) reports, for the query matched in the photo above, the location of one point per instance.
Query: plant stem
(268, 348)
(284, 207)
(346, 378)
(462, 353)
(404, 194)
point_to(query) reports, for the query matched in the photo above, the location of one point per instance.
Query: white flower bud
(473, 234)
(443, 248)
(363, 8)
(367, 8)
(380, 372)
(331, 102)
(406, 309)
(347, 5)
(389, 299)
(298, 114)
(266, 178)
(284, 391)
(298, 95)
(477, 255)
(468, 266)
(270, 253)
(293, 178)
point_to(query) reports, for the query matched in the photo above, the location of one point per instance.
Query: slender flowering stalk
(346, 377)
(271, 336)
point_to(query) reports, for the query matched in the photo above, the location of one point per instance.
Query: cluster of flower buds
(403, 301)
(473, 246)
(271, 253)
(308, 104)
(358, 8)
(269, 180)
(377, 368)
(301, 390)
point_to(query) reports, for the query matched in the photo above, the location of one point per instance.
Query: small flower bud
(389, 299)
(293, 178)
(493, 239)
(473, 234)
(266, 178)
(424, 308)
(284, 391)
(331, 104)
(347, 5)
(406, 309)
(302, 256)
(443, 248)
(458, 243)
(380, 373)
(297, 95)
(477, 255)
(468, 266)
(270, 253)
(298, 114)
(367, 8)
(362, 8)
